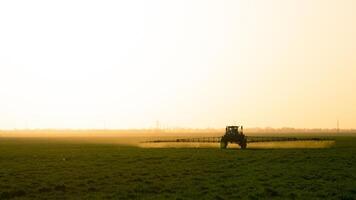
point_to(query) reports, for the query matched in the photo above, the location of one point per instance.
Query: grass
(55, 169)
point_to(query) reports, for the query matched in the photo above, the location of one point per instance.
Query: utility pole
(157, 125)
(337, 126)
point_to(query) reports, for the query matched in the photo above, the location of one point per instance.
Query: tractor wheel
(223, 145)
(243, 144)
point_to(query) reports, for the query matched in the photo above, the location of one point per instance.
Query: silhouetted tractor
(233, 134)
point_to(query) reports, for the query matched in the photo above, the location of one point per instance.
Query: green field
(61, 169)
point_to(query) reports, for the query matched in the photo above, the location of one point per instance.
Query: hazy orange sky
(186, 63)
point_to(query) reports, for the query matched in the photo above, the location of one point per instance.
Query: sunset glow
(204, 63)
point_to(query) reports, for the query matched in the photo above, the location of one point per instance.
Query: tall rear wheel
(223, 144)
(243, 144)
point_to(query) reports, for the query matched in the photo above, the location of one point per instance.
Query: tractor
(233, 134)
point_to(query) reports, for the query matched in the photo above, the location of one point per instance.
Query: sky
(184, 63)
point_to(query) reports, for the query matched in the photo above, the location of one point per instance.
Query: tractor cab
(233, 130)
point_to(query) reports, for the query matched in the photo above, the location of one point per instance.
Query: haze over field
(204, 63)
